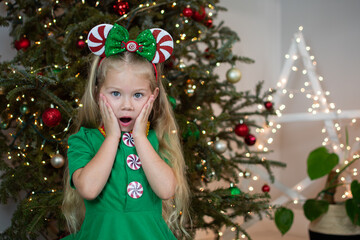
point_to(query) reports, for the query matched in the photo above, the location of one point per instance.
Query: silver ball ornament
(233, 75)
(220, 146)
(57, 161)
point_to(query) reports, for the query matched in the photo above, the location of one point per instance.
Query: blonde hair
(175, 210)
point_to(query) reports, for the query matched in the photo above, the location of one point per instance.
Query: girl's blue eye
(115, 94)
(138, 95)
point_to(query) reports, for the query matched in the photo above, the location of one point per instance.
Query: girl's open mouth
(125, 121)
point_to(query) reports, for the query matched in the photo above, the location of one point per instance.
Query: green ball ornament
(234, 191)
(199, 167)
(56, 70)
(172, 101)
(192, 133)
(4, 125)
(24, 109)
(233, 75)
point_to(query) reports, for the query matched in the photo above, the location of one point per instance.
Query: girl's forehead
(127, 77)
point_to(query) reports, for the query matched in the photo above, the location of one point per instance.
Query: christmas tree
(42, 85)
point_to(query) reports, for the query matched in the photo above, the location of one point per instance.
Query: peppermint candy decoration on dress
(164, 45)
(133, 161)
(97, 37)
(135, 189)
(128, 140)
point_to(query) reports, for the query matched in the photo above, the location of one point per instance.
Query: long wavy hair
(175, 210)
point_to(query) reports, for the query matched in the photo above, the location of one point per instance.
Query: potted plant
(329, 220)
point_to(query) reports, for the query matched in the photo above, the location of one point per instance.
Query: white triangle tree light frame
(324, 111)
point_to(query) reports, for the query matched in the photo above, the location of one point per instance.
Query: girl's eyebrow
(134, 90)
(140, 89)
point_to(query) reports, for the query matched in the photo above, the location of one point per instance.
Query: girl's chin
(126, 127)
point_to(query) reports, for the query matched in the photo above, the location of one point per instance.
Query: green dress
(127, 208)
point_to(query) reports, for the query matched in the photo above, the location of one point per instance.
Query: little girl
(126, 156)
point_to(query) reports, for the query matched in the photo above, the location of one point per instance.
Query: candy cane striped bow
(156, 45)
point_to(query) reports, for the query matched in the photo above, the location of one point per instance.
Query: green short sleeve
(80, 151)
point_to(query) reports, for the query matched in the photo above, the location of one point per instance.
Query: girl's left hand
(141, 121)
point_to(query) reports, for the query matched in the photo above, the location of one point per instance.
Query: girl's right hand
(110, 121)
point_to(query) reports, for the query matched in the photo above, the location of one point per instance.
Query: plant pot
(335, 224)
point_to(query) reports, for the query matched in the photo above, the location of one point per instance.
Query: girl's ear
(156, 93)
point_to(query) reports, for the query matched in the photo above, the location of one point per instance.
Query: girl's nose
(127, 105)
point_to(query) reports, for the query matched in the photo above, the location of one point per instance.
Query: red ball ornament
(208, 55)
(209, 23)
(23, 43)
(199, 15)
(242, 130)
(188, 12)
(81, 44)
(250, 139)
(265, 188)
(51, 117)
(268, 105)
(121, 7)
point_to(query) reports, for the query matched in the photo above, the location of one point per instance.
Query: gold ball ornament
(57, 161)
(233, 75)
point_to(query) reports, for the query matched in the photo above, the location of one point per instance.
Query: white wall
(331, 28)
